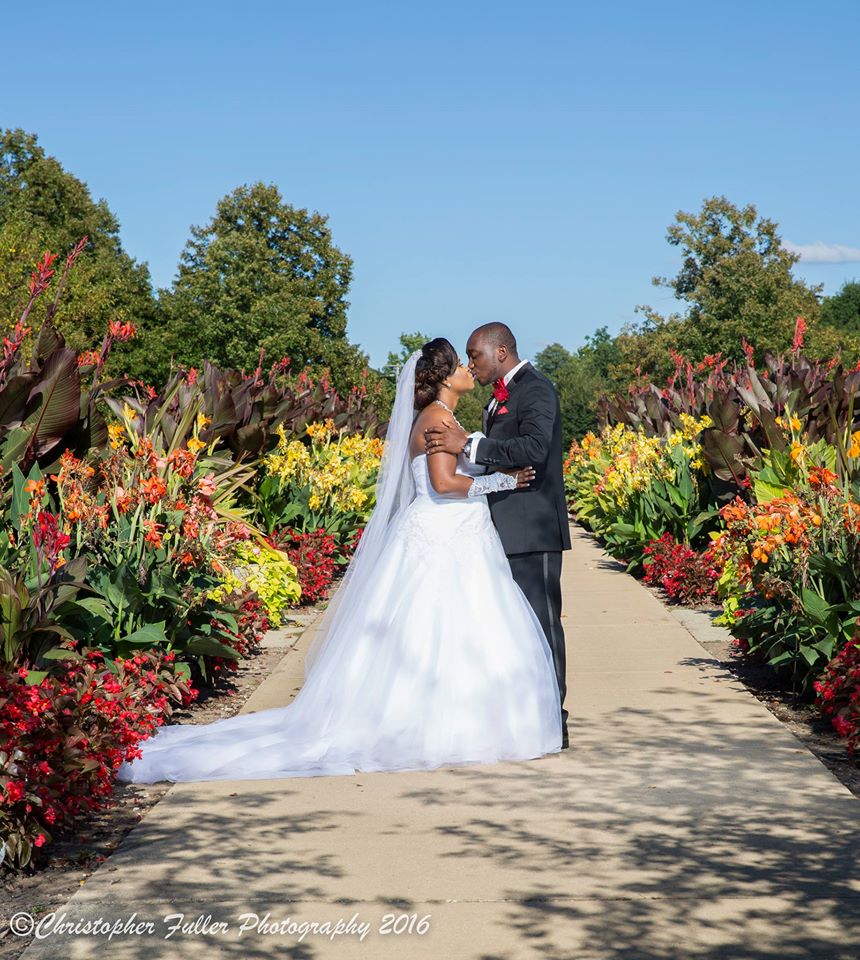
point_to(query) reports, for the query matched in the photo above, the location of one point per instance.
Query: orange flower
(36, 487)
(153, 489)
(734, 511)
(822, 477)
(153, 532)
(122, 500)
(182, 462)
(767, 521)
(190, 528)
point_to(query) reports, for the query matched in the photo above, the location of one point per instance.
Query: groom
(521, 428)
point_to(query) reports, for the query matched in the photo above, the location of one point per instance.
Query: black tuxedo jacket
(528, 434)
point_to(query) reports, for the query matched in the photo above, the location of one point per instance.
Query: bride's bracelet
(492, 483)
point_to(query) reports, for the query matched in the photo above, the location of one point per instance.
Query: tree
(736, 279)
(262, 275)
(580, 378)
(43, 207)
(842, 310)
(409, 343)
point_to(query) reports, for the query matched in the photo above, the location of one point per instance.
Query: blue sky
(479, 161)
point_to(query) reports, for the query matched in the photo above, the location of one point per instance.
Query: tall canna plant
(246, 414)
(746, 405)
(45, 406)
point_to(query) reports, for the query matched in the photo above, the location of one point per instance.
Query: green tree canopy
(43, 207)
(409, 343)
(842, 310)
(580, 378)
(262, 275)
(736, 279)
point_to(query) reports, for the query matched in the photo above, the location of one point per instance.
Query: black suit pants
(539, 577)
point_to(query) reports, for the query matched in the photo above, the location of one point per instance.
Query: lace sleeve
(492, 483)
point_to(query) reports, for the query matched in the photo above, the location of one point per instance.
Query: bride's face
(461, 380)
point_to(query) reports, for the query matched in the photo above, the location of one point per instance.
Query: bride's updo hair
(438, 360)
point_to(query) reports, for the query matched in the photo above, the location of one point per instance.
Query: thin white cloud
(820, 252)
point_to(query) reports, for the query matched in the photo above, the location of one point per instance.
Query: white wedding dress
(440, 661)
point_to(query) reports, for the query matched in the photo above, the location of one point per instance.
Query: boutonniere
(500, 392)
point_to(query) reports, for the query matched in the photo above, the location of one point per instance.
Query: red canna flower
(48, 540)
(89, 358)
(799, 330)
(41, 276)
(121, 331)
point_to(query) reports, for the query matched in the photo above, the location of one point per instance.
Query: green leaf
(815, 607)
(810, 654)
(150, 634)
(782, 658)
(227, 618)
(765, 492)
(827, 646)
(35, 676)
(59, 653)
(96, 606)
(209, 646)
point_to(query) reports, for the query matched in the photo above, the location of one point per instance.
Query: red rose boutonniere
(500, 391)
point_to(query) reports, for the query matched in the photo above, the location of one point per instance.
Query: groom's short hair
(497, 335)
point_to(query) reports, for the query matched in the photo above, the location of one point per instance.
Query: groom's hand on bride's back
(444, 437)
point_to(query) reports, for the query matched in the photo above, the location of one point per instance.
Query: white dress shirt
(473, 453)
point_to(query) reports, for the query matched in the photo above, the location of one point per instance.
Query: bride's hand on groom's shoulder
(444, 437)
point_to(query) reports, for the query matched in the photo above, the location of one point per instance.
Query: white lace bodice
(421, 473)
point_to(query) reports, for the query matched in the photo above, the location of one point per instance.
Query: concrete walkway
(684, 822)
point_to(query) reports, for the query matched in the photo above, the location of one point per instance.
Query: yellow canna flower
(116, 431)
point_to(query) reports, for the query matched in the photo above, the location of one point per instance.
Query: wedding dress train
(443, 662)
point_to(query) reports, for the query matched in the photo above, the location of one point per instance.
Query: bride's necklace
(445, 405)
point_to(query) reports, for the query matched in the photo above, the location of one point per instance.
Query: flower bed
(743, 487)
(63, 737)
(150, 538)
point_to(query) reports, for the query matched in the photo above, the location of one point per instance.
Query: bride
(429, 654)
